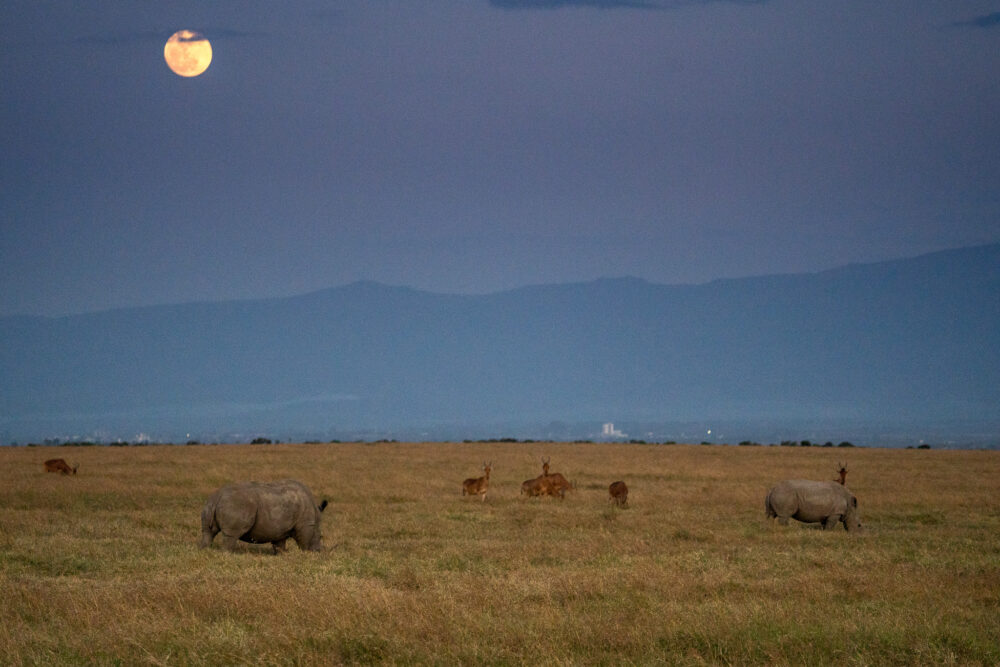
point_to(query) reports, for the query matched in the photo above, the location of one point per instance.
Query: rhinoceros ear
(854, 501)
(322, 505)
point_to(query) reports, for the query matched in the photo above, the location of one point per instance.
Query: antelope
(619, 493)
(537, 486)
(477, 486)
(559, 484)
(546, 484)
(60, 465)
(843, 474)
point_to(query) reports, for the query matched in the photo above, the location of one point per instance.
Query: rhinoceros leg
(206, 538)
(830, 522)
(279, 547)
(229, 543)
(235, 522)
(783, 520)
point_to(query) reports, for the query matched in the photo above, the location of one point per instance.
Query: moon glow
(187, 53)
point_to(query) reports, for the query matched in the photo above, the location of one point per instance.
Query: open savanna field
(104, 567)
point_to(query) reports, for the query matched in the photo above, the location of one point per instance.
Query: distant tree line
(795, 443)
(268, 441)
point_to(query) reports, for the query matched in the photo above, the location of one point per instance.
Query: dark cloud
(214, 34)
(123, 38)
(556, 4)
(610, 4)
(553, 4)
(988, 21)
(227, 33)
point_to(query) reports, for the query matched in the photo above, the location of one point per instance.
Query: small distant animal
(60, 466)
(477, 486)
(546, 484)
(619, 493)
(560, 485)
(842, 471)
(810, 501)
(261, 513)
(538, 486)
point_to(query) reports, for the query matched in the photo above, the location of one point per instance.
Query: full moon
(187, 53)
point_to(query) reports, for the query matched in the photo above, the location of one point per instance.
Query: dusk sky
(471, 146)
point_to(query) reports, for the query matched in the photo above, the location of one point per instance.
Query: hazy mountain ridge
(907, 339)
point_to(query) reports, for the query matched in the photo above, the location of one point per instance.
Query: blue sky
(479, 145)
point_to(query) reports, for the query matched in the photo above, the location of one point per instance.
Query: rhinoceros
(262, 512)
(813, 502)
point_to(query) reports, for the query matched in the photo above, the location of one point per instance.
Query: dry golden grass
(104, 567)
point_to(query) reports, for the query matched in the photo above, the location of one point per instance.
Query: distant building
(609, 431)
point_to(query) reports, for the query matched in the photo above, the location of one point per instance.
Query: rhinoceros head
(852, 520)
(315, 540)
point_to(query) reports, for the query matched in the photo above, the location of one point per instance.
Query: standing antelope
(843, 474)
(60, 465)
(619, 493)
(477, 486)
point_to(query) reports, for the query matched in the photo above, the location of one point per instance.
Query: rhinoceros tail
(322, 505)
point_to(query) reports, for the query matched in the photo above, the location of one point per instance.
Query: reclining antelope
(477, 486)
(60, 466)
(559, 483)
(538, 486)
(547, 484)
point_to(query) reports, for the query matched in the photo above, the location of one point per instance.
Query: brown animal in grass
(536, 486)
(546, 484)
(619, 493)
(843, 474)
(543, 485)
(477, 486)
(559, 485)
(60, 466)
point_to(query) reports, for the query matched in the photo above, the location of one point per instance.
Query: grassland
(103, 567)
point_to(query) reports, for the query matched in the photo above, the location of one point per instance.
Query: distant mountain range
(915, 340)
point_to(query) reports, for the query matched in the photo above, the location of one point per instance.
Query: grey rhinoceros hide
(811, 501)
(263, 512)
